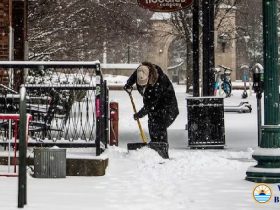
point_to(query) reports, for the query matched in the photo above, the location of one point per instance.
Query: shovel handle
(142, 134)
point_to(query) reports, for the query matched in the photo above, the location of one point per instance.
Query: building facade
(13, 39)
(5, 24)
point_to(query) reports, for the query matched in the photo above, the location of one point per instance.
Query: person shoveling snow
(160, 103)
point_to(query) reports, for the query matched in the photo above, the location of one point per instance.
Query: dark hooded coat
(159, 98)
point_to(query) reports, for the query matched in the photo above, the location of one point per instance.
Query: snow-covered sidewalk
(142, 180)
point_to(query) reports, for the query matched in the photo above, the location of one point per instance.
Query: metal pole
(9, 145)
(259, 110)
(268, 167)
(98, 108)
(271, 92)
(208, 48)
(106, 114)
(22, 191)
(196, 48)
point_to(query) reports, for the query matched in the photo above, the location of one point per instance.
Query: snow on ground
(115, 79)
(142, 180)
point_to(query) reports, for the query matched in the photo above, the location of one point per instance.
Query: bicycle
(223, 81)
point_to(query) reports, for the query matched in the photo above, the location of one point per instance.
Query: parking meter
(258, 86)
(258, 79)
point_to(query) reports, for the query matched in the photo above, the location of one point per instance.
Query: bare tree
(182, 22)
(78, 29)
(249, 32)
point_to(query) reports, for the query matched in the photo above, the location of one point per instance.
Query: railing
(68, 102)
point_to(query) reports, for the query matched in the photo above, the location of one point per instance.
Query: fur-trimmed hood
(153, 74)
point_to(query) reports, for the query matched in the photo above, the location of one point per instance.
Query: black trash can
(206, 122)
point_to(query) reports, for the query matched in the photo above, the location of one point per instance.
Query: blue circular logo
(262, 193)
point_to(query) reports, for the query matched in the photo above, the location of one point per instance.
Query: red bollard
(114, 124)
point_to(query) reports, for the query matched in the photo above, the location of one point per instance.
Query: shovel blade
(135, 146)
(160, 147)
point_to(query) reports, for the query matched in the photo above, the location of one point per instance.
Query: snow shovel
(160, 147)
(142, 134)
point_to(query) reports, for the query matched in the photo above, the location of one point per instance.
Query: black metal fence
(68, 102)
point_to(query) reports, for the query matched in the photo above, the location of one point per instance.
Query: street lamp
(268, 154)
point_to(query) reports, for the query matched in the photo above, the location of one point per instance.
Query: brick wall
(4, 37)
(13, 12)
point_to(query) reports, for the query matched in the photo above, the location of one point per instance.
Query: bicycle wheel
(226, 86)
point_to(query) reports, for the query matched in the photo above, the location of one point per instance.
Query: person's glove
(128, 88)
(136, 116)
